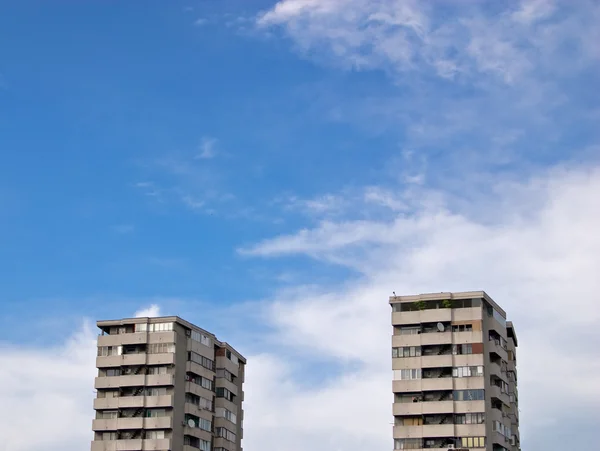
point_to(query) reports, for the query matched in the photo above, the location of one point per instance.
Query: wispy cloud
(207, 148)
(539, 250)
(123, 229)
(192, 178)
(406, 35)
(151, 311)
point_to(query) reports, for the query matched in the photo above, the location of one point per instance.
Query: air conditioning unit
(450, 446)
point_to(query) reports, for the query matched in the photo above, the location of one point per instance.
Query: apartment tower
(454, 373)
(166, 385)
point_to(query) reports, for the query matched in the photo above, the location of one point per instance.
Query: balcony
(133, 402)
(154, 380)
(496, 392)
(131, 445)
(121, 360)
(440, 383)
(220, 442)
(436, 361)
(470, 430)
(198, 433)
(423, 408)
(408, 431)
(222, 382)
(422, 316)
(224, 362)
(469, 406)
(469, 383)
(495, 347)
(119, 381)
(467, 314)
(438, 430)
(161, 359)
(475, 336)
(122, 339)
(468, 360)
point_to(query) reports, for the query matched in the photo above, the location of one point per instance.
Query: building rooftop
(162, 319)
(448, 295)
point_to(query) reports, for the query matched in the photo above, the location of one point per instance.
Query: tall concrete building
(166, 385)
(454, 373)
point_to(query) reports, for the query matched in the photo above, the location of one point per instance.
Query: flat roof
(169, 319)
(447, 295)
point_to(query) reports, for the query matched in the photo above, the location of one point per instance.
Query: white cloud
(319, 367)
(534, 248)
(458, 39)
(50, 390)
(151, 312)
(207, 148)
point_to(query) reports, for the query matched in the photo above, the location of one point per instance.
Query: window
(502, 429)
(199, 380)
(409, 421)
(200, 423)
(108, 393)
(224, 393)
(201, 338)
(407, 397)
(158, 370)
(113, 372)
(221, 449)
(408, 374)
(473, 442)
(231, 356)
(469, 395)
(408, 330)
(161, 348)
(462, 328)
(408, 443)
(228, 415)
(158, 391)
(225, 433)
(155, 413)
(199, 401)
(409, 351)
(107, 415)
(222, 372)
(204, 445)
(106, 351)
(201, 360)
(462, 349)
(155, 435)
(109, 436)
(467, 371)
(498, 317)
(191, 441)
(469, 418)
(154, 327)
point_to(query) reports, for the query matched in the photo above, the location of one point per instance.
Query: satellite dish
(440, 327)
(191, 423)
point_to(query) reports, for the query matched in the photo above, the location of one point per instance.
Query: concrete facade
(166, 385)
(454, 373)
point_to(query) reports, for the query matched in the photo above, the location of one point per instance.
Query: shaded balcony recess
(435, 373)
(431, 396)
(439, 442)
(432, 350)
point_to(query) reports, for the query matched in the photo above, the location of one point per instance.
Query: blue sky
(272, 171)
